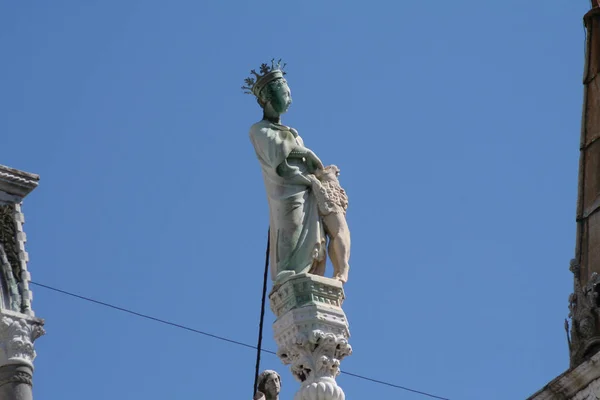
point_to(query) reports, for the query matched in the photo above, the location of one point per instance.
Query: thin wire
(262, 313)
(162, 321)
(394, 386)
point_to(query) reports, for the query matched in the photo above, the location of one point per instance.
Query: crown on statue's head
(267, 74)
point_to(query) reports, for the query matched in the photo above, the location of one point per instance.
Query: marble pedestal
(311, 332)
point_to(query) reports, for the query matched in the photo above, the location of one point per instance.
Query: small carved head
(269, 383)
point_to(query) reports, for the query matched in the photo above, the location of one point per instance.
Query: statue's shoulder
(266, 128)
(261, 128)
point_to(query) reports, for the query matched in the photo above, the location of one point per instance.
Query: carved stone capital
(315, 362)
(312, 333)
(17, 334)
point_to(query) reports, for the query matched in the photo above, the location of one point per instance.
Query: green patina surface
(306, 289)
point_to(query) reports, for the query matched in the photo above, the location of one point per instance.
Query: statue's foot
(340, 278)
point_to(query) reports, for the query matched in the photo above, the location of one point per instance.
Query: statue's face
(273, 384)
(282, 98)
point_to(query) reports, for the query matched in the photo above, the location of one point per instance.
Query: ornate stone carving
(332, 202)
(312, 333)
(16, 339)
(305, 290)
(590, 392)
(315, 362)
(18, 377)
(15, 182)
(297, 235)
(306, 206)
(13, 260)
(584, 312)
(9, 256)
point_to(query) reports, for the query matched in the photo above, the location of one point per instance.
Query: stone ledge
(571, 382)
(18, 183)
(19, 315)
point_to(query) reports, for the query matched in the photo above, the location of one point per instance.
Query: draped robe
(296, 232)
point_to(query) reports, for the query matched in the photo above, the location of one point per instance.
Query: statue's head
(269, 383)
(276, 95)
(270, 88)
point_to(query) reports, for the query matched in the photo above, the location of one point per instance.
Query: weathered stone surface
(580, 383)
(304, 290)
(18, 326)
(590, 392)
(332, 202)
(311, 333)
(306, 206)
(17, 183)
(14, 277)
(584, 303)
(18, 332)
(16, 382)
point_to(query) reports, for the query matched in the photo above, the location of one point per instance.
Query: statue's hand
(313, 179)
(315, 161)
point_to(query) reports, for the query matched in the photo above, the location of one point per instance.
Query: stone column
(585, 301)
(19, 327)
(311, 332)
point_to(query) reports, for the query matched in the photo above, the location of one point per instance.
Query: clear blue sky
(456, 126)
